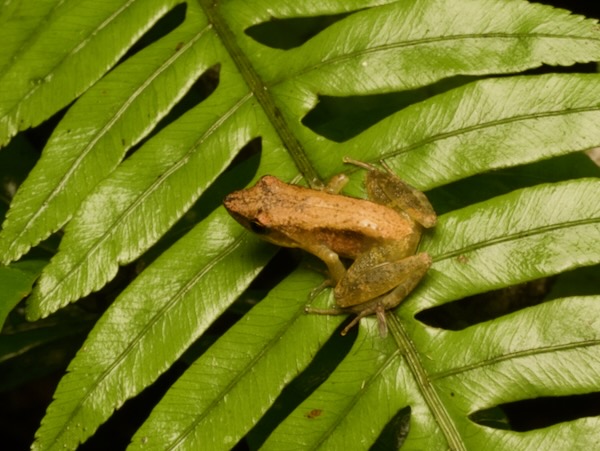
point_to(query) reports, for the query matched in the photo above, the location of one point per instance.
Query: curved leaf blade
(16, 281)
(404, 45)
(534, 232)
(484, 125)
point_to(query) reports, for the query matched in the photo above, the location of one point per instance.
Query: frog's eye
(258, 228)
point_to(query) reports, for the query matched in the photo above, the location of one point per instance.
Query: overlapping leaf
(95, 134)
(48, 46)
(121, 210)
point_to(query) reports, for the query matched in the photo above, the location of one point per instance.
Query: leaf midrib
(514, 237)
(260, 90)
(565, 111)
(514, 355)
(425, 41)
(412, 357)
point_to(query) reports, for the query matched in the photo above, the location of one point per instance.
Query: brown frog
(380, 235)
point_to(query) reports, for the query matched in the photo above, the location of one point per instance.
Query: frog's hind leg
(410, 271)
(375, 277)
(387, 188)
(373, 284)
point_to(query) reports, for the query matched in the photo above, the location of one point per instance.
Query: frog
(378, 236)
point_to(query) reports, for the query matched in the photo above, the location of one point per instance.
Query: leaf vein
(513, 237)
(239, 375)
(515, 355)
(425, 41)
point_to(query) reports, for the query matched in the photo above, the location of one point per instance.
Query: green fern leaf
(114, 209)
(200, 286)
(16, 281)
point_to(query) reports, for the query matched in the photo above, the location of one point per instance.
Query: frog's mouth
(228, 203)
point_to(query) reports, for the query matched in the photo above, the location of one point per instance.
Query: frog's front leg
(336, 268)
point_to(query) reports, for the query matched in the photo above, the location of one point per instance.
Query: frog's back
(347, 225)
(353, 226)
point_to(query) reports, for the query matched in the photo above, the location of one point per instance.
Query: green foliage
(149, 146)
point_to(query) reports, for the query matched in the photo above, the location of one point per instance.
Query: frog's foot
(377, 308)
(324, 311)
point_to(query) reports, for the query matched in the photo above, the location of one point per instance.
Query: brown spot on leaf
(314, 413)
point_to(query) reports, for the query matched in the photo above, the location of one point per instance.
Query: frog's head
(258, 209)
